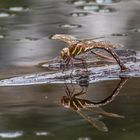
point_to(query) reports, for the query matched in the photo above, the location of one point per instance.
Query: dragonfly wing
(94, 122)
(53, 64)
(103, 112)
(92, 39)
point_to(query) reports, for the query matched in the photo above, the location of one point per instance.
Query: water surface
(35, 112)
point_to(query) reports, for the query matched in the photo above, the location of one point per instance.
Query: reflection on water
(11, 134)
(96, 8)
(73, 102)
(79, 14)
(34, 112)
(79, 2)
(30, 114)
(70, 26)
(3, 14)
(18, 9)
(120, 34)
(135, 30)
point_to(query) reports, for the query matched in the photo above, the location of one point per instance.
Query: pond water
(35, 112)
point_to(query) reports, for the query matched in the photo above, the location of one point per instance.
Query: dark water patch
(79, 14)
(119, 34)
(69, 26)
(2, 27)
(81, 2)
(26, 39)
(96, 8)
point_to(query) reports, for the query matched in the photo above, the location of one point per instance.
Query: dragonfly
(79, 105)
(77, 47)
(98, 70)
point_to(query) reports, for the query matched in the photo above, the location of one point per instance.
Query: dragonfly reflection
(79, 105)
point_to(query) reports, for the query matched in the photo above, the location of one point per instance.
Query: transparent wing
(105, 43)
(97, 58)
(94, 122)
(103, 112)
(92, 59)
(53, 64)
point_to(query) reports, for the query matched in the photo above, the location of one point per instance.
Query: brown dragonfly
(79, 105)
(77, 47)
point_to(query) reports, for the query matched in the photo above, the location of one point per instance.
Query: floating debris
(18, 9)
(70, 26)
(96, 8)
(96, 74)
(79, 14)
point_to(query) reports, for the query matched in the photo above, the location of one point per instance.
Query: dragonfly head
(73, 103)
(64, 53)
(65, 101)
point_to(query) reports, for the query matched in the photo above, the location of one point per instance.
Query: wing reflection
(81, 106)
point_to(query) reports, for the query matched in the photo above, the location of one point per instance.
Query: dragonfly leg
(68, 91)
(81, 92)
(83, 62)
(111, 97)
(110, 59)
(114, 54)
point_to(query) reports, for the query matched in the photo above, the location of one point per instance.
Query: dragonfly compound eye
(64, 53)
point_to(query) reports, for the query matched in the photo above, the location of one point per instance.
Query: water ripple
(79, 14)
(136, 30)
(119, 34)
(70, 26)
(5, 14)
(82, 2)
(18, 9)
(97, 8)
(2, 36)
(11, 134)
(41, 133)
(84, 138)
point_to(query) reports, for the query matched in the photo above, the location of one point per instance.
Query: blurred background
(34, 111)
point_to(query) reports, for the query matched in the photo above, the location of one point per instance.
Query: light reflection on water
(34, 112)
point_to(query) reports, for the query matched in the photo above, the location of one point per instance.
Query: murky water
(35, 112)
